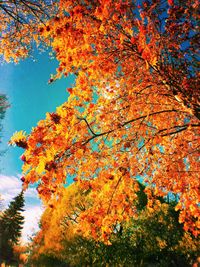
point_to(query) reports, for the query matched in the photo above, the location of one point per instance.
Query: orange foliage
(21, 253)
(19, 26)
(59, 220)
(133, 112)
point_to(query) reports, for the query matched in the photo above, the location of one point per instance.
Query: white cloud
(31, 193)
(11, 186)
(7, 182)
(32, 216)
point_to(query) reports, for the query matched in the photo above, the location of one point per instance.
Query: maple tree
(132, 114)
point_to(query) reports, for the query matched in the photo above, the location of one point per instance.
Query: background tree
(20, 253)
(3, 106)
(153, 238)
(11, 224)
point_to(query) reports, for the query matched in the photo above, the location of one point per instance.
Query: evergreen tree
(3, 106)
(11, 224)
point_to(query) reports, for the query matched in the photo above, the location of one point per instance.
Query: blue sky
(30, 97)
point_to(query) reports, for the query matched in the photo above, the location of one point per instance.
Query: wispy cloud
(11, 186)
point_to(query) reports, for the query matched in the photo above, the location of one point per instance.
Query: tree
(3, 106)
(11, 224)
(151, 239)
(59, 220)
(20, 253)
(132, 114)
(19, 27)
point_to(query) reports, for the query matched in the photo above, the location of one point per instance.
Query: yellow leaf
(41, 167)
(153, 60)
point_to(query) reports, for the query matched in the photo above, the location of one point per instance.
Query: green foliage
(3, 105)
(154, 238)
(151, 240)
(11, 224)
(45, 260)
(142, 197)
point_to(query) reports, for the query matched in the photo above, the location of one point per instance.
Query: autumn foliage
(132, 115)
(19, 26)
(136, 242)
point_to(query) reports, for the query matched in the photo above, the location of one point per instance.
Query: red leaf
(70, 90)
(171, 2)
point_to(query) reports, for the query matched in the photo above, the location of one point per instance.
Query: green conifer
(11, 225)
